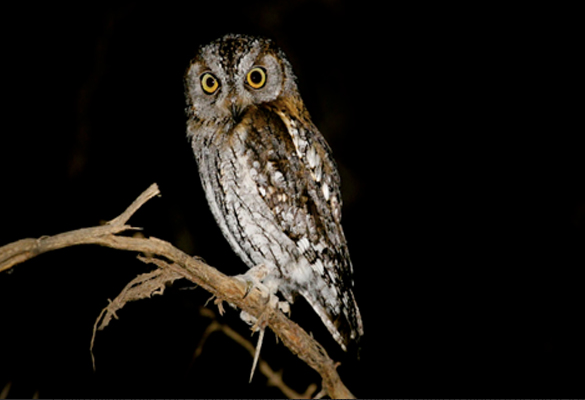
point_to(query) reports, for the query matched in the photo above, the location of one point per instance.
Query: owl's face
(235, 72)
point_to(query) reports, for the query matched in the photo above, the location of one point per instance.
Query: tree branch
(274, 377)
(193, 269)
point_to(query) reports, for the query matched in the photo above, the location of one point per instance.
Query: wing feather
(298, 180)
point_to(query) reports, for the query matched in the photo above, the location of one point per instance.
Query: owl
(269, 176)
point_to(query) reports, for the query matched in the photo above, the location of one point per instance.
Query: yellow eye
(256, 77)
(209, 83)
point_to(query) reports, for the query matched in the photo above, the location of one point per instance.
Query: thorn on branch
(274, 378)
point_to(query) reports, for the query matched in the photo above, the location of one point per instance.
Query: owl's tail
(346, 326)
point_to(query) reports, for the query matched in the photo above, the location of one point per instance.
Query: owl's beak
(236, 107)
(237, 111)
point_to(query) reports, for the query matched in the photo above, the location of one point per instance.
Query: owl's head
(235, 72)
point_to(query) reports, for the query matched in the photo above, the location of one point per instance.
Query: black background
(456, 134)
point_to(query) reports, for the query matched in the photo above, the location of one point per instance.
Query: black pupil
(209, 82)
(256, 77)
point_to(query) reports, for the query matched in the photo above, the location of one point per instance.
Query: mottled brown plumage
(269, 176)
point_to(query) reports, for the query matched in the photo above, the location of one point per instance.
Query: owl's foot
(254, 279)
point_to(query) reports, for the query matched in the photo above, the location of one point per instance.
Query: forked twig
(193, 269)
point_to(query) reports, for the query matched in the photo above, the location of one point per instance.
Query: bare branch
(5, 390)
(141, 287)
(25, 249)
(193, 269)
(148, 194)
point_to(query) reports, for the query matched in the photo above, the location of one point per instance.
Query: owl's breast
(264, 180)
(235, 171)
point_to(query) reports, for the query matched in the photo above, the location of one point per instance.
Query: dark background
(456, 134)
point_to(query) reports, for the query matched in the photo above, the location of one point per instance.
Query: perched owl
(269, 176)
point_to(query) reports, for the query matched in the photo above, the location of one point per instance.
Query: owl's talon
(284, 306)
(253, 279)
(249, 286)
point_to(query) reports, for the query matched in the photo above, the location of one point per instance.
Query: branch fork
(174, 264)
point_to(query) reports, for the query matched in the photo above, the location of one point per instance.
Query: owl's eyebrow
(230, 54)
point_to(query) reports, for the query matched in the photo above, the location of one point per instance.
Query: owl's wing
(298, 180)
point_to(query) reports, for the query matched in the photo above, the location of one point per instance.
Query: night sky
(456, 136)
